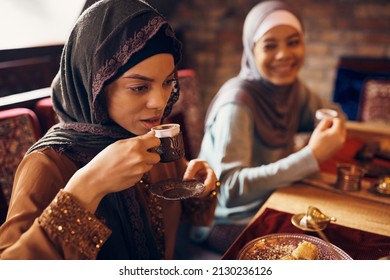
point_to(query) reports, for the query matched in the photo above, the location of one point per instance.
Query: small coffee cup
(172, 146)
(349, 177)
(324, 113)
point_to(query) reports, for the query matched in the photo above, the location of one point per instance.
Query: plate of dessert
(383, 187)
(286, 246)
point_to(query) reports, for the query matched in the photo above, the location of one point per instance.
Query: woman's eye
(269, 47)
(294, 43)
(138, 88)
(170, 82)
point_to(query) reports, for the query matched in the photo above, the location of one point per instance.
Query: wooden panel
(28, 69)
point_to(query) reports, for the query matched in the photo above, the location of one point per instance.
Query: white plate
(275, 246)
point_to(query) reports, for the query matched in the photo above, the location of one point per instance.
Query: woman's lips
(151, 122)
(283, 69)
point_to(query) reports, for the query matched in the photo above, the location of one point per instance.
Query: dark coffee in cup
(172, 146)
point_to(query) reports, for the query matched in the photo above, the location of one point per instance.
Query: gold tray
(275, 246)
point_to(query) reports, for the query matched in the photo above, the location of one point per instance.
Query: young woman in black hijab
(82, 191)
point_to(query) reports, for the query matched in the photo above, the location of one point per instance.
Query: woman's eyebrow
(273, 39)
(268, 40)
(142, 77)
(137, 77)
(293, 35)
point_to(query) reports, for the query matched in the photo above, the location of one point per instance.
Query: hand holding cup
(324, 113)
(172, 146)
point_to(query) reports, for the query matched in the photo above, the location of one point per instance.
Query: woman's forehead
(280, 32)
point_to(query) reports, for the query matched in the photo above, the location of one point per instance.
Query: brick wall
(211, 32)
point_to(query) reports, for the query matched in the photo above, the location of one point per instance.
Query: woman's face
(279, 54)
(137, 99)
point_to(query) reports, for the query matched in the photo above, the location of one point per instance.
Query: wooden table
(350, 211)
(358, 212)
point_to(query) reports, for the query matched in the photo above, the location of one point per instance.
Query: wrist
(84, 191)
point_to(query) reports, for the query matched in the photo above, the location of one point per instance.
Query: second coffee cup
(324, 113)
(172, 146)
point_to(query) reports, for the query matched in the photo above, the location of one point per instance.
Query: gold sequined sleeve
(65, 221)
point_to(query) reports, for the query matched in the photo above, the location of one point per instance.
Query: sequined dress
(44, 222)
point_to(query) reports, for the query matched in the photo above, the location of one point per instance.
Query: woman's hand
(202, 171)
(119, 166)
(328, 137)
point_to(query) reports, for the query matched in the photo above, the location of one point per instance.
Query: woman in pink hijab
(252, 121)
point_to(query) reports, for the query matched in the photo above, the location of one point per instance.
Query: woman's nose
(158, 99)
(283, 52)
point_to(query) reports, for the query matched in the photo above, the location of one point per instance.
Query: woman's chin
(283, 81)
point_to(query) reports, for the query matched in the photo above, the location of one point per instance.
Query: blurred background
(347, 61)
(336, 30)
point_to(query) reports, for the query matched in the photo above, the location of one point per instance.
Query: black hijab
(108, 38)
